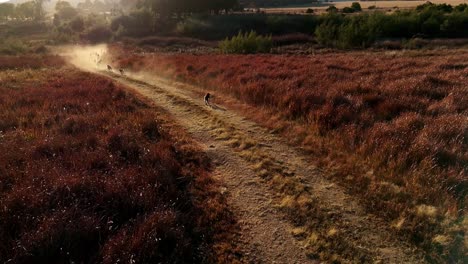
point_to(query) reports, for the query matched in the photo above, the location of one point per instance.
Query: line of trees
(271, 3)
(427, 20)
(31, 10)
(168, 8)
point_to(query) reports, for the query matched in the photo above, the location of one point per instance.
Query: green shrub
(327, 32)
(356, 32)
(12, 46)
(247, 43)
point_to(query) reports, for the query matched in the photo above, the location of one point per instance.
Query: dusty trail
(251, 161)
(265, 235)
(287, 210)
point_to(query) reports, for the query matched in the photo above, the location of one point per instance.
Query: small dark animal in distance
(109, 68)
(121, 71)
(207, 98)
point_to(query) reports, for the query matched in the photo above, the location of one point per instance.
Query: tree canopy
(167, 8)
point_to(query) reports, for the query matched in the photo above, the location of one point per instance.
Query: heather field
(391, 127)
(92, 173)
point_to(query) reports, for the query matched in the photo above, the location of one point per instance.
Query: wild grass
(391, 127)
(30, 62)
(92, 173)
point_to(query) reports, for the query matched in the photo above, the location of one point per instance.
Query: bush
(309, 11)
(356, 6)
(136, 24)
(77, 24)
(332, 9)
(461, 7)
(356, 32)
(12, 47)
(348, 10)
(327, 32)
(428, 21)
(247, 43)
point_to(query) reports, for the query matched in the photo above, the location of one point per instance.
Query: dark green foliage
(136, 24)
(327, 32)
(348, 10)
(332, 9)
(427, 21)
(356, 6)
(168, 8)
(222, 26)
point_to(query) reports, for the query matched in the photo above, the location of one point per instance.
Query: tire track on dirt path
(265, 177)
(269, 182)
(264, 235)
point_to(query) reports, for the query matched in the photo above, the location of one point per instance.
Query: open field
(93, 173)
(287, 209)
(386, 5)
(187, 132)
(389, 127)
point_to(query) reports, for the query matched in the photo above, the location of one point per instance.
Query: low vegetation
(391, 128)
(92, 173)
(246, 43)
(213, 20)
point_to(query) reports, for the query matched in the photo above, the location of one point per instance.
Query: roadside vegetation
(215, 21)
(390, 128)
(91, 173)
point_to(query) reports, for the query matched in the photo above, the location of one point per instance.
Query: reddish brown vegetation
(394, 126)
(89, 173)
(30, 61)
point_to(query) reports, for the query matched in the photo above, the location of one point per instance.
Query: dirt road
(288, 211)
(270, 183)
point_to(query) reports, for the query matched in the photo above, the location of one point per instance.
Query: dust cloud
(95, 58)
(87, 58)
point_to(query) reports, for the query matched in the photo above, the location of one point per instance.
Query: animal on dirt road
(121, 71)
(109, 68)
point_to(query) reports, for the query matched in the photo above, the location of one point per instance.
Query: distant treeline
(267, 3)
(426, 21)
(336, 29)
(213, 20)
(167, 8)
(25, 11)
